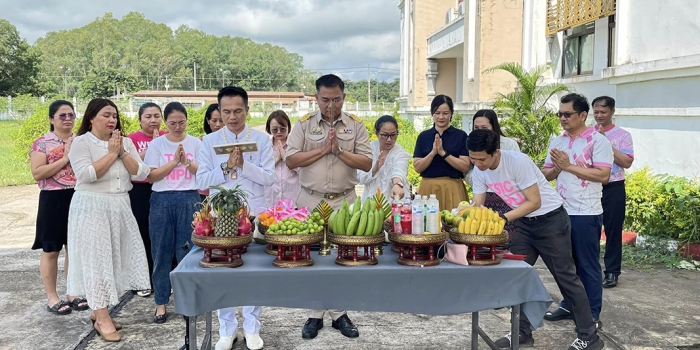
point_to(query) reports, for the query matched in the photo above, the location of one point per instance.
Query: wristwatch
(340, 151)
(398, 184)
(446, 155)
(188, 163)
(125, 154)
(224, 168)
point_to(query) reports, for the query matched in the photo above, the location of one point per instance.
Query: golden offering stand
(294, 250)
(474, 257)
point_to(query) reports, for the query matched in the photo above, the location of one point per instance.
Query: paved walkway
(647, 311)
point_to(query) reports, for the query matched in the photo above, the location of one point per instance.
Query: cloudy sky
(333, 36)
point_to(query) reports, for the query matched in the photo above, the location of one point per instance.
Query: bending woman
(389, 171)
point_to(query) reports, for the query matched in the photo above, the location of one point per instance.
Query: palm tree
(527, 117)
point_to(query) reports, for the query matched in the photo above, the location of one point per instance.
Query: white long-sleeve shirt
(87, 149)
(395, 165)
(258, 169)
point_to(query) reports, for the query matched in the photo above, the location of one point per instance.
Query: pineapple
(226, 204)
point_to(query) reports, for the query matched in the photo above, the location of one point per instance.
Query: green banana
(379, 222)
(369, 230)
(331, 221)
(340, 221)
(353, 224)
(357, 206)
(363, 225)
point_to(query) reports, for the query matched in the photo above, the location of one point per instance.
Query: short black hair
(580, 102)
(232, 91)
(385, 119)
(438, 101)
(483, 140)
(54, 106)
(604, 101)
(329, 81)
(173, 107)
(207, 117)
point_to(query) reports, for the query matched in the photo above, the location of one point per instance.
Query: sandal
(116, 324)
(76, 304)
(56, 309)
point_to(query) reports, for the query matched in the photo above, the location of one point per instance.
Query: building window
(578, 50)
(611, 41)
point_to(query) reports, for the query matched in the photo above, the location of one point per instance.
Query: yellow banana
(482, 227)
(490, 229)
(468, 224)
(474, 228)
(460, 229)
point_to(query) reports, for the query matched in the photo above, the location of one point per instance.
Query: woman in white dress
(107, 253)
(389, 171)
(488, 119)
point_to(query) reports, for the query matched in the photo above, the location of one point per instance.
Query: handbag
(455, 253)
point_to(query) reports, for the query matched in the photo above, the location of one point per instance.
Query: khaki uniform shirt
(328, 175)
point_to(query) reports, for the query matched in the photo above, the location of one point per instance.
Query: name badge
(316, 131)
(345, 131)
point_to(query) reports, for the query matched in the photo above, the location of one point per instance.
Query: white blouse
(395, 165)
(87, 149)
(507, 144)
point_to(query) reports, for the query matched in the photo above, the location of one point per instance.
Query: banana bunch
(482, 221)
(362, 220)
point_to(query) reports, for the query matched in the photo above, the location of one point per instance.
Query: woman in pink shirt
(151, 118)
(287, 183)
(53, 173)
(212, 122)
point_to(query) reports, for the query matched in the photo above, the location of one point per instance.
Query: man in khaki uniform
(328, 146)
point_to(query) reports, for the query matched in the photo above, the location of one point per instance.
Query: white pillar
(527, 49)
(431, 77)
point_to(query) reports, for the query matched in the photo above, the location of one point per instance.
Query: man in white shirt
(580, 160)
(542, 227)
(252, 171)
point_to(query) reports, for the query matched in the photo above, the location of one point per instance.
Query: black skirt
(52, 220)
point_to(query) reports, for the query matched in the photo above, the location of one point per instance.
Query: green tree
(527, 117)
(105, 82)
(19, 62)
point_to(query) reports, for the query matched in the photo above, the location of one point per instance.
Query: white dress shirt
(395, 165)
(87, 149)
(258, 169)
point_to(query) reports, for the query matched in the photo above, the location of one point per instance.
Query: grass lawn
(12, 171)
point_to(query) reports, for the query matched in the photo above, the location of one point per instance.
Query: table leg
(206, 343)
(192, 328)
(515, 327)
(475, 333)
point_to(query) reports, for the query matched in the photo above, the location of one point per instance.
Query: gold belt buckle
(330, 196)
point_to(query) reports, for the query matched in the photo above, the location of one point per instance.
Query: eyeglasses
(278, 130)
(566, 115)
(174, 124)
(66, 116)
(389, 136)
(335, 100)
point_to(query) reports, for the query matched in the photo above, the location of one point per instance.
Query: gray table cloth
(447, 289)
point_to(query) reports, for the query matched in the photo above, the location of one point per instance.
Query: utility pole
(376, 99)
(369, 88)
(195, 75)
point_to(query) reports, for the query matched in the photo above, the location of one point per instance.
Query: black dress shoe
(160, 319)
(558, 315)
(311, 328)
(346, 327)
(610, 281)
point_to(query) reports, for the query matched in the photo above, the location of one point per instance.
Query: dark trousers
(140, 197)
(549, 236)
(614, 206)
(585, 244)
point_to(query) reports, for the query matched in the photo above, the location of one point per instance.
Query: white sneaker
(144, 293)
(226, 343)
(252, 341)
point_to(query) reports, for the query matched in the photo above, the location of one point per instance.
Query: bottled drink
(433, 215)
(418, 216)
(406, 214)
(396, 214)
(425, 212)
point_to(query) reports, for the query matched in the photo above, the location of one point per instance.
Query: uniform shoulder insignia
(306, 117)
(355, 118)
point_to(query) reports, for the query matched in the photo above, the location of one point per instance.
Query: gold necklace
(234, 174)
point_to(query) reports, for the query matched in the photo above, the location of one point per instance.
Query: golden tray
(358, 241)
(213, 242)
(426, 240)
(286, 240)
(465, 238)
(262, 228)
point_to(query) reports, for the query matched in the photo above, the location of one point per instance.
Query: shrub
(195, 121)
(663, 205)
(32, 128)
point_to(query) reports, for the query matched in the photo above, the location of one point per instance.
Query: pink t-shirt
(141, 141)
(621, 140)
(588, 149)
(53, 147)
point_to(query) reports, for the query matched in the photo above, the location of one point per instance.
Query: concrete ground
(647, 311)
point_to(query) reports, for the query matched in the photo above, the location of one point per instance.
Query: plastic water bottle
(396, 214)
(406, 215)
(418, 216)
(425, 212)
(433, 215)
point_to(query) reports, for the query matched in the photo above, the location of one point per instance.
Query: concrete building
(447, 45)
(643, 53)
